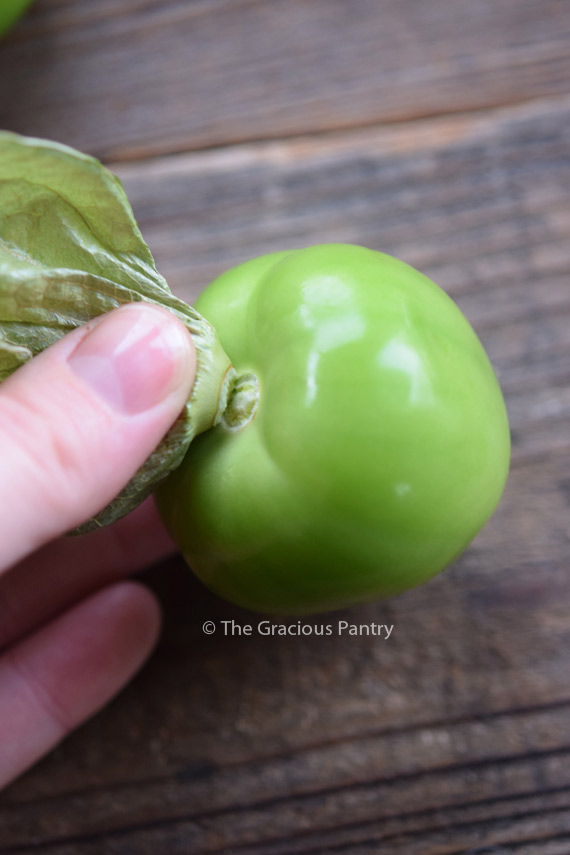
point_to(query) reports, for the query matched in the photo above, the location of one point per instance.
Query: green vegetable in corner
(353, 446)
(10, 11)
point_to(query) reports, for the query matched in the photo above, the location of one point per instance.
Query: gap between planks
(414, 133)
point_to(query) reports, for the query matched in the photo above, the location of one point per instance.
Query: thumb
(77, 421)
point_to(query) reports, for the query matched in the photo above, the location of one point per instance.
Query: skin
(10, 11)
(379, 447)
(72, 631)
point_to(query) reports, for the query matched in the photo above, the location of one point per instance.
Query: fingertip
(136, 358)
(136, 609)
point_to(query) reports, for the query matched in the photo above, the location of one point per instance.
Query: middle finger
(67, 570)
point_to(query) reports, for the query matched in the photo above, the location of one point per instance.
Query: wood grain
(454, 735)
(130, 78)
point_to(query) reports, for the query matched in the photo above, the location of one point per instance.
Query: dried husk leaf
(70, 250)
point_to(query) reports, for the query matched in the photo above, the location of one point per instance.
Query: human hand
(75, 424)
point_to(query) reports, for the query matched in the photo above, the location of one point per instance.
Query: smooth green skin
(10, 11)
(379, 448)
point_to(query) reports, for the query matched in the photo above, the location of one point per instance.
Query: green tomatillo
(366, 444)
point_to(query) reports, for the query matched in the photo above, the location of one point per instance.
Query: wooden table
(436, 131)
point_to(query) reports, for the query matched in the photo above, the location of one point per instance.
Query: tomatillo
(364, 443)
(10, 11)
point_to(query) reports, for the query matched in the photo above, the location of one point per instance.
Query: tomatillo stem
(242, 398)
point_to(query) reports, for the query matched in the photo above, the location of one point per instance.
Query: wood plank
(133, 78)
(455, 733)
